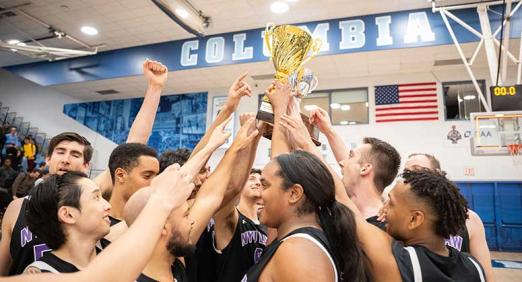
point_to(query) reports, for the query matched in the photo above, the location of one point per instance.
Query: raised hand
(155, 72)
(297, 131)
(280, 95)
(172, 187)
(219, 136)
(321, 119)
(245, 135)
(244, 117)
(238, 89)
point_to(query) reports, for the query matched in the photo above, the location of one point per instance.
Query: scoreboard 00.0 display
(506, 98)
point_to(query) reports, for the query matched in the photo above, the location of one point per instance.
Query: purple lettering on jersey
(39, 250)
(455, 242)
(25, 236)
(257, 254)
(252, 236)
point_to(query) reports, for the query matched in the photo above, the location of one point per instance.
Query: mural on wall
(180, 120)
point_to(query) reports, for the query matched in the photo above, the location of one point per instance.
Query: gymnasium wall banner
(394, 30)
(180, 119)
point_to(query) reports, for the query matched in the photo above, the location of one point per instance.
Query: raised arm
(238, 89)
(156, 74)
(321, 119)
(280, 96)
(478, 245)
(211, 194)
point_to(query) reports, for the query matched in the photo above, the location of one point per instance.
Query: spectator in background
(24, 182)
(12, 137)
(7, 174)
(29, 150)
(3, 131)
(13, 154)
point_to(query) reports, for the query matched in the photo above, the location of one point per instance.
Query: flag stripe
(419, 84)
(407, 119)
(407, 108)
(417, 95)
(417, 89)
(409, 113)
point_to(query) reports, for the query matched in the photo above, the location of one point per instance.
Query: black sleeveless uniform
(432, 267)
(57, 263)
(460, 241)
(243, 251)
(178, 270)
(201, 267)
(25, 247)
(255, 271)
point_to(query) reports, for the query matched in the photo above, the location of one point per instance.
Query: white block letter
(215, 51)
(188, 59)
(352, 34)
(418, 25)
(321, 32)
(240, 52)
(383, 28)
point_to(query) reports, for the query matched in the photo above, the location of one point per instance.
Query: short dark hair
(442, 196)
(385, 160)
(73, 137)
(435, 164)
(45, 200)
(169, 157)
(255, 170)
(126, 156)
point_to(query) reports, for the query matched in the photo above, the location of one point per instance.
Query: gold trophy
(290, 47)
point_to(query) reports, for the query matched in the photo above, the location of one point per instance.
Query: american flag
(406, 102)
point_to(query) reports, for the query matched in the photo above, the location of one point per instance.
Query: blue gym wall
(180, 120)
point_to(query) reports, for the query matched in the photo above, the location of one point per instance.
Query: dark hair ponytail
(336, 220)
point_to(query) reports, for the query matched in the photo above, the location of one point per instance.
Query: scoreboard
(506, 98)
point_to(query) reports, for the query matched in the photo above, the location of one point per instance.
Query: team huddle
(173, 218)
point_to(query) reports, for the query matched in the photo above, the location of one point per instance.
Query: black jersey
(25, 247)
(51, 263)
(460, 241)
(178, 271)
(417, 263)
(312, 233)
(242, 252)
(201, 267)
(374, 221)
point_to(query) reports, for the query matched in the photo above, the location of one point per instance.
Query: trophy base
(268, 117)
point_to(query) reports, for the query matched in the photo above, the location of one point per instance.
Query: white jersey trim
(481, 275)
(42, 266)
(417, 273)
(315, 241)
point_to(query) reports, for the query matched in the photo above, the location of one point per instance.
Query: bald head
(135, 204)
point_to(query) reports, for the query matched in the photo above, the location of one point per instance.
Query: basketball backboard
(456, 3)
(493, 132)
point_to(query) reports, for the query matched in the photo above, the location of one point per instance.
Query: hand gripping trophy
(291, 47)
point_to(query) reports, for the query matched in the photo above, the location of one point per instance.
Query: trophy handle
(314, 84)
(268, 33)
(314, 49)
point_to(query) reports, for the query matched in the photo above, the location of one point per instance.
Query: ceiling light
(21, 44)
(335, 105)
(279, 7)
(366, 104)
(182, 13)
(291, 1)
(469, 97)
(352, 122)
(345, 108)
(310, 107)
(89, 30)
(13, 41)
(343, 122)
(14, 50)
(185, 15)
(459, 99)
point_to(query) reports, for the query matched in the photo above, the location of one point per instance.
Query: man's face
(67, 156)
(7, 162)
(180, 224)
(93, 215)
(141, 175)
(418, 162)
(398, 210)
(252, 189)
(13, 130)
(353, 164)
(34, 174)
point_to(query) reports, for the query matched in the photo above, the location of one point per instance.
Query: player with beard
(70, 151)
(163, 265)
(68, 213)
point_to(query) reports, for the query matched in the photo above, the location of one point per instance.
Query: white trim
(479, 269)
(315, 241)
(42, 266)
(417, 272)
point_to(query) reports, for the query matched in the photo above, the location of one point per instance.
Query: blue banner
(180, 120)
(404, 29)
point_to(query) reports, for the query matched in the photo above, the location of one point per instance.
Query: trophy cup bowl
(291, 47)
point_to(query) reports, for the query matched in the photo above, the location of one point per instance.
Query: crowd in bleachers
(18, 167)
